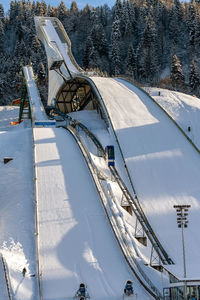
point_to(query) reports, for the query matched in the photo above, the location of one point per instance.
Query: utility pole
(182, 213)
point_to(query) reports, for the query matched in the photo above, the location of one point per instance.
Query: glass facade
(177, 293)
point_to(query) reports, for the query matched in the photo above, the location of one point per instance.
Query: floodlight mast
(182, 213)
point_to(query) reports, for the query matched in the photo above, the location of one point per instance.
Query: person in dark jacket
(128, 290)
(82, 293)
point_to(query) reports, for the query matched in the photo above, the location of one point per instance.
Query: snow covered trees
(193, 78)
(96, 48)
(131, 62)
(147, 54)
(115, 48)
(135, 37)
(2, 35)
(62, 11)
(1, 12)
(176, 72)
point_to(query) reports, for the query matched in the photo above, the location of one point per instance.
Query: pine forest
(153, 42)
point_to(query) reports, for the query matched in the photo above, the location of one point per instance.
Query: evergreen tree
(87, 51)
(131, 62)
(44, 8)
(62, 11)
(13, 12)
(193, 77)
(197, 34)
(176, 72)
(118, 9)
(115, 59)
(20, 49)
(99, 40)
(2, 16)
(126, 24)
(52, 11)
(36, 46)
(115, 33)
(147, 53)
(2, 35)
(93, 59)
(191, 24)
(115, 48)
(39, 11)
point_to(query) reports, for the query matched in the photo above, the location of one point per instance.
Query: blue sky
(80, 3)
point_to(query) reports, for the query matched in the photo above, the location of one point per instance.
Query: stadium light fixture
(182, 222)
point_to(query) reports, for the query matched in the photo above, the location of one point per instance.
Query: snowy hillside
(183, 108)
(17, 205)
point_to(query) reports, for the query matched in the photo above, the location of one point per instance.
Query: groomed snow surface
(17, 206)
(76, 243)
(163, 165)
(184, 109)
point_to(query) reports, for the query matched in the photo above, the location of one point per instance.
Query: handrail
(104, 199)
(6, 277)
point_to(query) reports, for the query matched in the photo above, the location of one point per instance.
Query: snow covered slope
(163, 166)
(184, 109)
(17, 206)
(76, 243)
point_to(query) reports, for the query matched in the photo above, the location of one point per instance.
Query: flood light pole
(182, 213)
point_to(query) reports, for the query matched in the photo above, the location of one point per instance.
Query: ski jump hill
(103, 225)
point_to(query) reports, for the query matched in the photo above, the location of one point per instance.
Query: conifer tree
(2, 35)
(115, 59)
(62, 11)
(39, 10)
(93, 58)
(117, 9)
(131, 62)
(35, 44)
(98, 38)
(115, 48)
(191, 24)
(193, 77)
(176, 72)
(87, 51)
(147, 53)
(1, 12)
